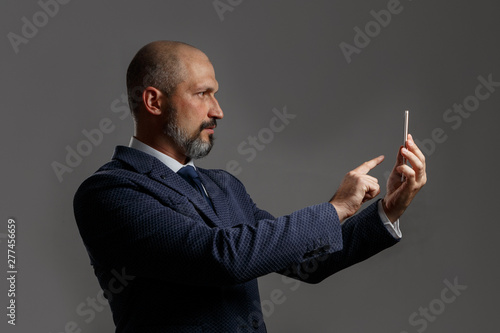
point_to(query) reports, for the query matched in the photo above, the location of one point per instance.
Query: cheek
(196, 114)
(191, 123)
(191, 113)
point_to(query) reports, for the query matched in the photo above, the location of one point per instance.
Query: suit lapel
(219, 200)
(156, 170)
(178, 184)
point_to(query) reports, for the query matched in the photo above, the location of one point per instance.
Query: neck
(164, 145)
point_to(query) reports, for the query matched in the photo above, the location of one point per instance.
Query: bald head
(160, 65)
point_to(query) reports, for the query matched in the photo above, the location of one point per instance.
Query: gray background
(267, 54)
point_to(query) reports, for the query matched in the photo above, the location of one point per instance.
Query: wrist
(341, 211)
(390, 213)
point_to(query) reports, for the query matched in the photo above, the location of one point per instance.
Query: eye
(201, 93)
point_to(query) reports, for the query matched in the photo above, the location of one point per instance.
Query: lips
(210, 129)
(209, 126)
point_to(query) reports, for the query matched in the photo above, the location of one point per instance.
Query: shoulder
(121, 171)
(111, 177)
(127, 165)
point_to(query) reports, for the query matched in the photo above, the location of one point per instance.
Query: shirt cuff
(392, 228)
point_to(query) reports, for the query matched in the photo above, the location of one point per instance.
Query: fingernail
(404, 151)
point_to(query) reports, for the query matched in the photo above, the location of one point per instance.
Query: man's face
(190, 118)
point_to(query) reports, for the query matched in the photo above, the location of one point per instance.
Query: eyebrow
(206, 87)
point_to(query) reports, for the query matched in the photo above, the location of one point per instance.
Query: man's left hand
(400, 194)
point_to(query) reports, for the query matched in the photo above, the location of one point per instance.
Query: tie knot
(188, 173)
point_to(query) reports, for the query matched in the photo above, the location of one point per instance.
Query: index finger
(414, 148)
(368, 165)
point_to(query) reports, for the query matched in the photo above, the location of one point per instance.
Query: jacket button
(163, 177)
(255, 323)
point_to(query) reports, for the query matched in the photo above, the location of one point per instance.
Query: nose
(215, 111)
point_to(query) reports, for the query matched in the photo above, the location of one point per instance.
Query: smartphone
(405, 139)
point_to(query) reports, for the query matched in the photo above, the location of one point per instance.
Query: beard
(194, 146)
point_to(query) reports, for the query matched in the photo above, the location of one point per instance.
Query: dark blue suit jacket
(167, 262)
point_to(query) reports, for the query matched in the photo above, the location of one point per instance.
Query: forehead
(198, 69)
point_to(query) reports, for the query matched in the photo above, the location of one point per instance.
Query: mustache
(211, 123)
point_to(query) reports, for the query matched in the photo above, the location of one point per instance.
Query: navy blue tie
(191, 176)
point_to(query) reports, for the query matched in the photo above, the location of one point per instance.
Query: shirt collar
(170, 162)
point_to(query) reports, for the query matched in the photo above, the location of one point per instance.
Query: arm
(123, 225)
(364, 234)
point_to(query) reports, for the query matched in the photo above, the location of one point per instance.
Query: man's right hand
(356, 188)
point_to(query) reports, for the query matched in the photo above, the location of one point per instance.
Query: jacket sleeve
(162, 237)
(363, 236)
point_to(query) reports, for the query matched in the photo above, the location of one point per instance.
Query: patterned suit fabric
(168, 262)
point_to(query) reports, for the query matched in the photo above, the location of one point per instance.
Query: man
(180, 250)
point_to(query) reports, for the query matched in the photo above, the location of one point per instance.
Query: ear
(152, 99)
